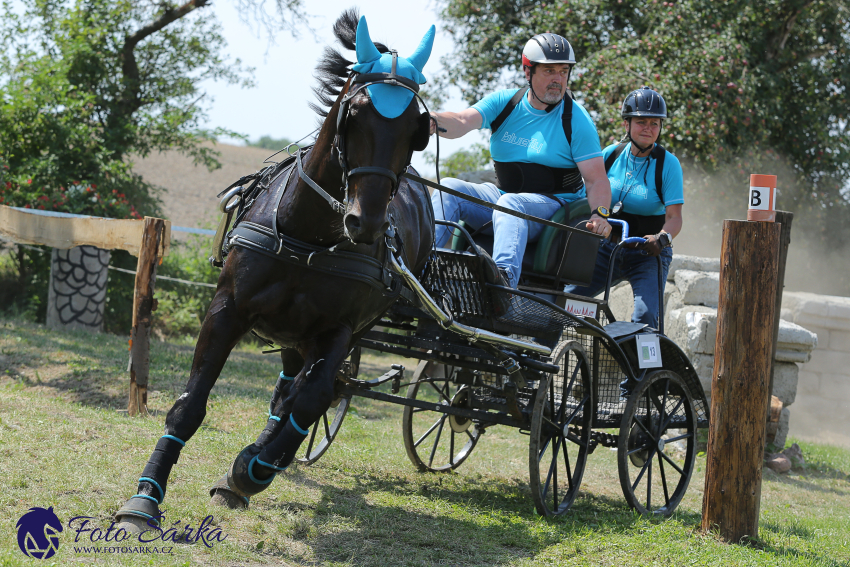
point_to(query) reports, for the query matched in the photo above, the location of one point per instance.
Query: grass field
(66, 444)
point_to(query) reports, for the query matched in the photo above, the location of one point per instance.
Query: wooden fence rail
(149, 240)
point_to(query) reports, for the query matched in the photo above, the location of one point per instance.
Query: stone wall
(690, 320)
(822, 408)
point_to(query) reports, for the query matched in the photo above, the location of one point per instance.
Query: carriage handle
(626, 239)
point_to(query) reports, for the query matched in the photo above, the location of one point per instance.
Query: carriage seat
(557, 257)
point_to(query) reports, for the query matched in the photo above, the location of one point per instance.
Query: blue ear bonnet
(390, 100)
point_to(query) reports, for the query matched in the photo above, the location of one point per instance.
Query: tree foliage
(85, 84)
(753, 87)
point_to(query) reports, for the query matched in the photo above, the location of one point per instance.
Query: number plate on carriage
(648, 351)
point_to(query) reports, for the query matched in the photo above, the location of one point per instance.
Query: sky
(278, 105)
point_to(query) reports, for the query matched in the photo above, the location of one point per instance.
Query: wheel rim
(657, 448)
(323, 432)
(560, 432)
(431, 442)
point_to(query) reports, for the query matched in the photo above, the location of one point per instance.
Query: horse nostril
(352, 223)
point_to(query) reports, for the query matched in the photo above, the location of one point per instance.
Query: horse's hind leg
(221, 330)
(309, 397)
(223, 494)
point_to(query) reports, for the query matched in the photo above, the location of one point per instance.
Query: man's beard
(552, 96)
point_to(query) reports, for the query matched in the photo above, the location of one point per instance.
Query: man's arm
(598, 193)
(457, 124)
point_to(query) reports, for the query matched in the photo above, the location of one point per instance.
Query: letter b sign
(760, 198)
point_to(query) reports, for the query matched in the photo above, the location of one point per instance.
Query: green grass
(64, 443)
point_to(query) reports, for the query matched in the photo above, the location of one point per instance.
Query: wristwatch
(602, 212)
(664, 240)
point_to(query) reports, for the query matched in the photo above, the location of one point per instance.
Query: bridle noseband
(359, 81)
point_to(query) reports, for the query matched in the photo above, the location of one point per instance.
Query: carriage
(330, 251)
(557, 367)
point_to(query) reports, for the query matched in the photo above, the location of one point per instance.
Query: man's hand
(652, 246)
(599, 225)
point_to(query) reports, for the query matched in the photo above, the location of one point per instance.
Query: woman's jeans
(640, 270)
(511, 234)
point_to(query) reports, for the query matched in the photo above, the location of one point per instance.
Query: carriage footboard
(446, 321)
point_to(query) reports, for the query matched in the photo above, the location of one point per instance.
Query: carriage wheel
(323, 432)
(437, 442)
(560, 431)
(661, 440)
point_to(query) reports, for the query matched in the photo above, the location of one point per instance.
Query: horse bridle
(359, 81)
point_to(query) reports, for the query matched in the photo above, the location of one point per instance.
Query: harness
(519, 177)
(641, 224)
(338, 260)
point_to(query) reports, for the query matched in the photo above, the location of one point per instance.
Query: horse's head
(379, 127)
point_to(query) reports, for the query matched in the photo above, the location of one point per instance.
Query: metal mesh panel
(459, 280)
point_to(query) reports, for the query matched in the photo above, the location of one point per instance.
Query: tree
(753, 87)
(84, 85)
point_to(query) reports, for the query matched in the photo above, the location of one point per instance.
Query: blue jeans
(511, 234)
(641, 271)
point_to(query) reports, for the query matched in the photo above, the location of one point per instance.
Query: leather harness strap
(335, 260)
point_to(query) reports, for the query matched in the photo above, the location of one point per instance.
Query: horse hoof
(228, 499)
(132, 524)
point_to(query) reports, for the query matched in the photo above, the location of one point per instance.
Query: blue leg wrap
(281, 450)
(155, 475)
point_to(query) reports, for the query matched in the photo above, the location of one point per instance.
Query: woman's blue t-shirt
(529, 135)
(633, 182)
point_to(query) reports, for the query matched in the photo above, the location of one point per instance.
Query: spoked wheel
(560, 431)
(657, 443)
(323, 432)
(437, 442)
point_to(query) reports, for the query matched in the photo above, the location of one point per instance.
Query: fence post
(784, 219)
(143, 305)
(739, 387)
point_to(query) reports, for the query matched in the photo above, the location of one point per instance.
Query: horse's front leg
(221, 330)
(310, 396)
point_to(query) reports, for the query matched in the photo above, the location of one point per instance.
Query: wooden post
(143, 305)
(739, 388)
(783, 218)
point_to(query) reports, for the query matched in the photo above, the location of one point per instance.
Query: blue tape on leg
(151, 498)
(274, 417)
(297, 428)
(172, 437)
(251, 473)
(285, 377)
(273, 467)
(158, 487)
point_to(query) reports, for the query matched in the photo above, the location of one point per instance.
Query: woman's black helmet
(644, 102)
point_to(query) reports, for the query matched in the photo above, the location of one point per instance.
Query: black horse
(308, 276)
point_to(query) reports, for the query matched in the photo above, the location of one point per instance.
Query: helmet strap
(635, 144)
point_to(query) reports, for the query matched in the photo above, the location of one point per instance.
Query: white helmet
(547, 48)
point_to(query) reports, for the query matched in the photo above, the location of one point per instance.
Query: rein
(499, 208)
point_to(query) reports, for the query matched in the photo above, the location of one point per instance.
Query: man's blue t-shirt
(529, 135)
(633, 182)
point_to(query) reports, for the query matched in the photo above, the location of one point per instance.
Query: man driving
(545, 150)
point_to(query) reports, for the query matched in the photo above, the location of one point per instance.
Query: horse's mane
(333, 70)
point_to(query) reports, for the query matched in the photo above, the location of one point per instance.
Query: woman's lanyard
(619, 205)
